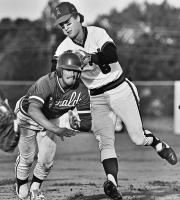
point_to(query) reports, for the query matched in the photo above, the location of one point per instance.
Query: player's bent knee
(137, 135)
(139, 141)
(28, 160)
(48, 166)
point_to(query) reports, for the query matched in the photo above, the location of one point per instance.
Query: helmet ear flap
(59, 72)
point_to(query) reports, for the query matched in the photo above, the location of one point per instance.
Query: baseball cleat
(111, 191)
(167, 153)
(36, 195)
(21, 196)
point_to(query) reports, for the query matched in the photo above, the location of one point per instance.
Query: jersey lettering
(73, 101)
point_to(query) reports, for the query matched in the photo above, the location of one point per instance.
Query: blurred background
(146, 33)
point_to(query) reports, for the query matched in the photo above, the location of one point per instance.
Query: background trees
(147, 38)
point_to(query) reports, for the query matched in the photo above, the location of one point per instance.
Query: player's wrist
(95, 59)
(98, 59)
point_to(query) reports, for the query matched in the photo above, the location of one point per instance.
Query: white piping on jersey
(83, 111)
(59, 84)
(38, 98)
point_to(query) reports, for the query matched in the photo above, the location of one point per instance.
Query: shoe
(111, 191)
(167, 153)
(36, 195)
(24, 196)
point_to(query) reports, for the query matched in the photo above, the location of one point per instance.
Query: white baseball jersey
(95, 38)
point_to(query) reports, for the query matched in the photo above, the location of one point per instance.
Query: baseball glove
(74, 120)
(84, 56)
(9, 133)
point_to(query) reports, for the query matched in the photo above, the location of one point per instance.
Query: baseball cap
(64, 11)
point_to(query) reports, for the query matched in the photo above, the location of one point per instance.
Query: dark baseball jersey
(48, 92)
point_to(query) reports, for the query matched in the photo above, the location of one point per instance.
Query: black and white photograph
(89, 100)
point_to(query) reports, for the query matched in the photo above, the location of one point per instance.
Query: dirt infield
(78, 175)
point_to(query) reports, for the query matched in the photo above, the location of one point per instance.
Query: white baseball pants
(121, 101)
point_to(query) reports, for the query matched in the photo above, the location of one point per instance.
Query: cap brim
(62, 19)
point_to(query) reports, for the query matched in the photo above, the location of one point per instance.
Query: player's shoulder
(82, 87)
(95, 29)
(43, 78)
(63, 46)
(47, 79)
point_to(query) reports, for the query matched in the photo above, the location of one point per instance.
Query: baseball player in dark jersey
(38, 114)
(82, 109)
(111, 93)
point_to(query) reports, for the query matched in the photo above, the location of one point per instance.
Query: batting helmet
(70, 61)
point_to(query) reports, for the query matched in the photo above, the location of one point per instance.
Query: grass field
(78, 174)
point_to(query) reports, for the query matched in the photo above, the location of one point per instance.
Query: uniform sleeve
(107, 52)
(85, 123)
(83, 109)
(40, 90)
(102, 37)
(61, 48)
(58, 51)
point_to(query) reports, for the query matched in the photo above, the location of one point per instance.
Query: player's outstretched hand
(65, 132)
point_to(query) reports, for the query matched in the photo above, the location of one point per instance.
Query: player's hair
(80, 15)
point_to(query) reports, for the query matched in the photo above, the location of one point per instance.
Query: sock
(21, 182)
(36, 183)
(111, 167)
(155, 142)
(151, 139)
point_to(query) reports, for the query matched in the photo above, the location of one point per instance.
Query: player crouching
(38, 115)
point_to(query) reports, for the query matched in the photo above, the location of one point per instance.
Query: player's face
(69, 78)
(71, 27)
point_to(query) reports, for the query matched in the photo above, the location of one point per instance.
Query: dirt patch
(78, 174)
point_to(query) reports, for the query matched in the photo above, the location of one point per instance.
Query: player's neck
(63, 86)
(80, 36)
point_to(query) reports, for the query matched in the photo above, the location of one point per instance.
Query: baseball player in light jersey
(38, 115)
(111, 94)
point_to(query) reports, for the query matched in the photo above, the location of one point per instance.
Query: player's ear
(78, 18)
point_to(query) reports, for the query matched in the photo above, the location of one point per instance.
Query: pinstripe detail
(17, 111)
(16, 164)
(36, 127)
(25, 120)
(136, 98)
(21, 108)
(137, 102)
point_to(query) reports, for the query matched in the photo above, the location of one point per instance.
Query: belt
(108, 86)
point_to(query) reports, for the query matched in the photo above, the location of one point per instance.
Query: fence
(157, 97)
